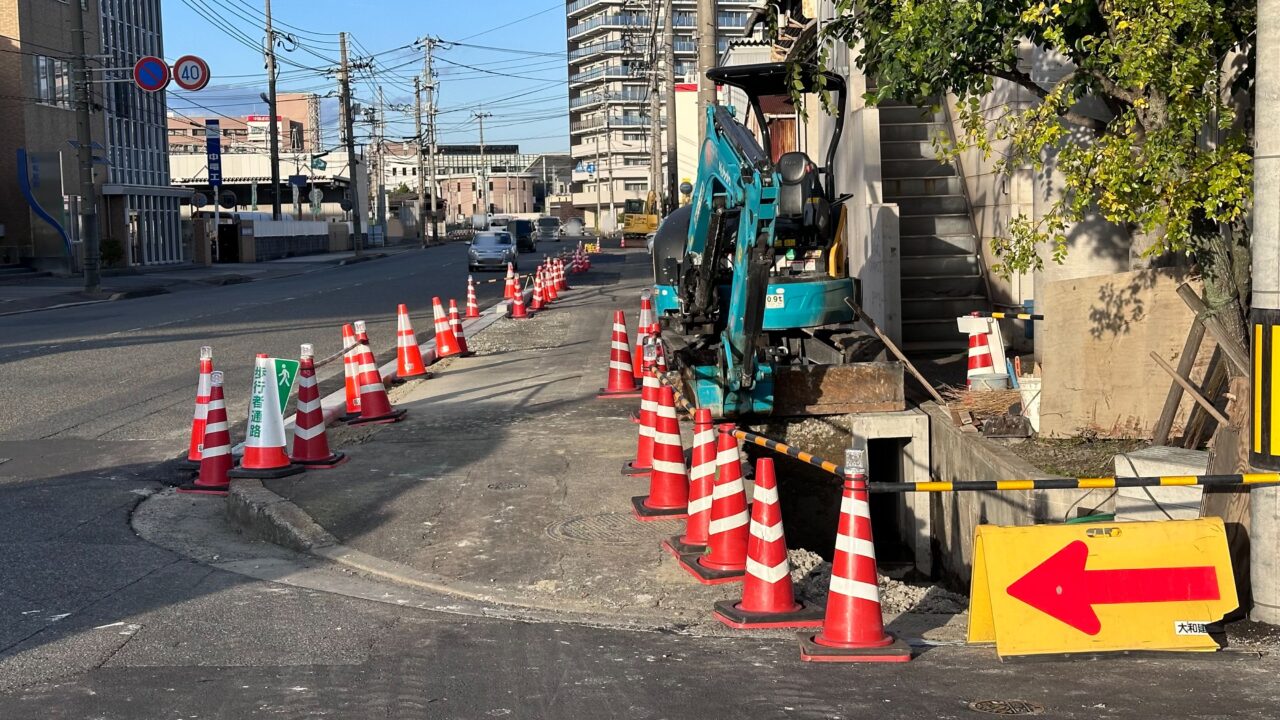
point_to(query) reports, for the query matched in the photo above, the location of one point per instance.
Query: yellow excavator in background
(641, 217)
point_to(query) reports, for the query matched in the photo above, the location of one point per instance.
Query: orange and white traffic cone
(409, 363)
(980, 361)
(310, 442)
(455, 324)
(198, 421)
(854, 626)
(622, 382)
(726, 557)
(446, 342)
(562, 276)
(537, 305)
(375, 406)
(518, 310)
(265, 456)
(509, 291)
(644, 326)
(768, 598)
(643, 463)
(549, 285)
(702, 477)
(473, 307)
(668, 497)
(215, 459)
(349, 365)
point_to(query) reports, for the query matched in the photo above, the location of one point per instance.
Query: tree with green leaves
(1141, 120)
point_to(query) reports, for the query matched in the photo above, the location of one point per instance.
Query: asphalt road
(126, 370)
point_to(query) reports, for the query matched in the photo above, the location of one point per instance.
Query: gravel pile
(544, 331)
(812, 577)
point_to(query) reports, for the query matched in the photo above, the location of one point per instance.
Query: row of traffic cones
(724, 541)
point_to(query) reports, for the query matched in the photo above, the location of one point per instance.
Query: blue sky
(481, 64)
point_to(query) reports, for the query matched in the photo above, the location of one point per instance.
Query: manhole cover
(605, 529)
(507, 486)
(1006, 707)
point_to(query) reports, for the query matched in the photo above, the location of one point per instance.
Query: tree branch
(1015, 75)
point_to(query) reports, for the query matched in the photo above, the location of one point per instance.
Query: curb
(273, 518)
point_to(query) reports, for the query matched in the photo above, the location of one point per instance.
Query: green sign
(286, 374)
(318, 164)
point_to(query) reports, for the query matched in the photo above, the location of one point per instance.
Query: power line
(556, 6)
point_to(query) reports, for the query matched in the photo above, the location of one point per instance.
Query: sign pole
(213, 150)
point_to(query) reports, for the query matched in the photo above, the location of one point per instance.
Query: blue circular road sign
(151, 74)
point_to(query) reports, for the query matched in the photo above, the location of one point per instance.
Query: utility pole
(608, 138)
(707, 59)
(655, 110)
(271, 110)
(84, 153)
(1264, 505)
(599, 177)
(348, 123)
(484, 165)
(672, 200)
(380, 137)
(430, 44)
(422, 171)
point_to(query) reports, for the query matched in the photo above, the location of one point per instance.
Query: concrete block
(1180, 503)
(911, 426)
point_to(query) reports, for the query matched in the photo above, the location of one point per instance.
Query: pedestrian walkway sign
(286, 374)
(1101, 587)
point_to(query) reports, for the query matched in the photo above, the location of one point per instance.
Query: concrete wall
(1098, 374)
(269, 240)
(954, 517)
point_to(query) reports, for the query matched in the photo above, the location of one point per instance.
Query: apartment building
(611, 52)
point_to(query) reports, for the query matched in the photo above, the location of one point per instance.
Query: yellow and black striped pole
(1265, 446)
(1010, 316)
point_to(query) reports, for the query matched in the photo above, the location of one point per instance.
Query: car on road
(524, 233)
(492, 250)
(574, 228)
(648, 241)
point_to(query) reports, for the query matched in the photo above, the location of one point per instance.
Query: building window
(633, 185)
(52, 81)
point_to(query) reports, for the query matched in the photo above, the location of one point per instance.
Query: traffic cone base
(896, 651)
(330, 462)
(606, 394)
(801, 616)
(393, 417)
(642, 512)
(676, 547)
(631, 470)
(267, 473)
(192, 489)
(693, 565)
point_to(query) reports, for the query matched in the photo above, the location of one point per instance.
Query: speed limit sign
(191, 73)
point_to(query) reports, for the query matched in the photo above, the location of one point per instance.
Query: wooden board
(839, 389)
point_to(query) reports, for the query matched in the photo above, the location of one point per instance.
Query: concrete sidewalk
(503, 484)
(47, 293)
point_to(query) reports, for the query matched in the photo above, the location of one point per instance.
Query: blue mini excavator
(751, 278)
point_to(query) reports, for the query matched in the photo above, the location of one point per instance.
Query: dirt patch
(1074, 457)
(543, 331)
(812, 578)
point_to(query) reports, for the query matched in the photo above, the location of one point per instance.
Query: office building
(611, 54)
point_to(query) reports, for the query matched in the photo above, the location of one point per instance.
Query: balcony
(625, 97)
(586, 51)
(612, 123)
(621, 21)
(581, 7)
(609, 72)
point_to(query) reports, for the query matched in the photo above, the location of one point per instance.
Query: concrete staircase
(942, 275)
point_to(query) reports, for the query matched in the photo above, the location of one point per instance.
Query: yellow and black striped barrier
(789, 451)
(1010, 316)
(1107, 483)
